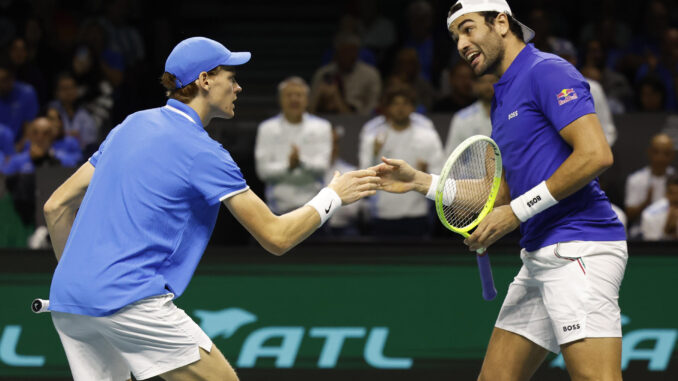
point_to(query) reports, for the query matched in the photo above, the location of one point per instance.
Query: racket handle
(486, 280)
(40, 305)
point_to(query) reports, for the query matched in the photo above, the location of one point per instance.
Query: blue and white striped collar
(184, 110)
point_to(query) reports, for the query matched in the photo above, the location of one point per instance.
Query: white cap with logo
(463, 7)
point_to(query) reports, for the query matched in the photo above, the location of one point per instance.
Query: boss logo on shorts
(571, 327)
(533, 201)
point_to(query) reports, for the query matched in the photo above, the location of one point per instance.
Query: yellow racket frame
(454, 156)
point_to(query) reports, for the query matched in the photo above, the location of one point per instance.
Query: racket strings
(473, 173)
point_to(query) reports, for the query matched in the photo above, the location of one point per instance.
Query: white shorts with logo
(146, 338)
(566, 292)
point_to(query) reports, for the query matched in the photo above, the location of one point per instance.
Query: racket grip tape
(40, 305)
(486, 280)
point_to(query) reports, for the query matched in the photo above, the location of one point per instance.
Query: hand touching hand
(354, 185)
(397, 176)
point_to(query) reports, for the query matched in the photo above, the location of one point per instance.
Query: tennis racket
(466, 191)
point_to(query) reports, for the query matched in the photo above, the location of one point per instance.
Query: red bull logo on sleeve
(565, 96)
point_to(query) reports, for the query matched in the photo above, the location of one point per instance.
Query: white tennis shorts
(146, 338)
(566, 292)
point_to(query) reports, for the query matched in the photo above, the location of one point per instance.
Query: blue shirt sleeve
(215, 175)
(94, 159)
(561, 92)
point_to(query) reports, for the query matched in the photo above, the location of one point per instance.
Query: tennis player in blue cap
(146, 205)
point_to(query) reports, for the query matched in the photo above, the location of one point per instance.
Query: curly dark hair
(513, 25)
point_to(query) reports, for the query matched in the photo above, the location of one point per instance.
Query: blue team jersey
(538, 95)
(148, 212)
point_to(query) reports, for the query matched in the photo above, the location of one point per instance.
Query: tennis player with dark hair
(146, 204)
(573, 246)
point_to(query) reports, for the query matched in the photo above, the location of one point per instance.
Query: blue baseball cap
(194, 55)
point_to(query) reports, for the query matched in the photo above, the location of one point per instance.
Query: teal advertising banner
(366, 311)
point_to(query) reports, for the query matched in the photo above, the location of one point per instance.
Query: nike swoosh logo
(329, 207)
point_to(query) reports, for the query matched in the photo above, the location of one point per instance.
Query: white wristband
(431, 194)
(326, 202)
(532, 202)
(449, 192)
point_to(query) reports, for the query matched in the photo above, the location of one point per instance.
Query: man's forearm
(571, 176)
(59, 224)
(62, 206)
(422, 181)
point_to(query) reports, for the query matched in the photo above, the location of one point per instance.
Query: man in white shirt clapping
(659, 221)
(404, 134)
(292, 150)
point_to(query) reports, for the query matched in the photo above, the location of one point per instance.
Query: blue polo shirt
(148, 212)
(538, 95)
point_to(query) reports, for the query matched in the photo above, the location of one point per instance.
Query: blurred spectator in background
(45, 145)
(93, 37)
(37, 48)
(6, 145)
(350, 24)
(400, 135)
(432, 53)
(292, 150)
(608, 29)
(77, 121)
(664, 67)
(346, 85)
(345, 221)
(460, 84)
(659, 221)
(65, 148)
(474, 119)
(99, 72)
(123, 37)
(26, 70)
(94, 91)
(651, 95)
(617, 88)
(544, 40)
(647, 43)
(379, 34)
(406, 71)
(18, 101)
(567, 51)
(648, 184)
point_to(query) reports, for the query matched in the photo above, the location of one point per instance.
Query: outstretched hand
(397, 176)
(354, 185)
